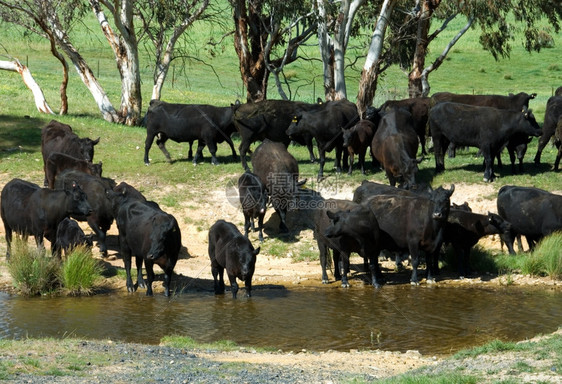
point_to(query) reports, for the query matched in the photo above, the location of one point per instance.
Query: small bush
(33, 273)
(80, 271)
(507, 76)
(549, 251)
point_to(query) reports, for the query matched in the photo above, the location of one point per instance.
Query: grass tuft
(80, 272)
(549, 251)
(33, 273)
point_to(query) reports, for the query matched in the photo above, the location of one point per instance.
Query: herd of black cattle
(408, 219)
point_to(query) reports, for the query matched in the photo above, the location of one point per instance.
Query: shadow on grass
(21, 134)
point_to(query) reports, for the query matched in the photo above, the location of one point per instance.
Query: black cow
(517, 145)
(419, 108)
(325, 125)
(131, 193)
(279, 171)
(28, 209)
(151, 235)
(395, 145)
(357, 140)
(333, 230)
(70, 235)
(552, 114)
(58, 162)
(253, 199)
(558, 143)
(59, 137)
(186, 123)
(269, 119)
(371, 188)
(511, 102)
(464, 229)
(470, 125)
(96, 189)
(532, 212)
(413, 224)
(229, 250)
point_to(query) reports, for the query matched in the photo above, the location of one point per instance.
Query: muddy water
(433, 320)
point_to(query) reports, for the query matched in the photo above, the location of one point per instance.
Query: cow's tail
(143, 121)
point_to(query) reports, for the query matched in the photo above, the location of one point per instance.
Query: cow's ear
(256, 251)
(96, 141)
(331, 215)
(533, 95)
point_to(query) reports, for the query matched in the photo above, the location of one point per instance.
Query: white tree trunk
(369, 75)
(29, 81)
(126, 54)
(163, 62)
(104, 104)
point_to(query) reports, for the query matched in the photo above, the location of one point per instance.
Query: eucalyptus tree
(52, 20)
(267, 36)
(163, 23)
(501, 22)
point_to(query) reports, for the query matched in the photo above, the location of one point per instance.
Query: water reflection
(432, 320)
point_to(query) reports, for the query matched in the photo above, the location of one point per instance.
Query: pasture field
(214, 79)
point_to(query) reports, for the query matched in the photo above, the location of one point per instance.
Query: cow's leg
(324, 254)
(310, 148)
(361, 161)
(147, 145)
(218, 273)
(543, 141)
(489, 171)
(338, 158)
(322, 155)
(8, 230)
(167, 280)
(336, 256)
(190, 153)
(344, 268)
(231, 144)
(351, 159)
(126, 254)
(260, 227)
(558, 157)
(149, 265)
(161, 141)
(233, 285)
(140, 280)
(414, 252)
(213, 149)
(248, 285)
(247, 224)
(199, 153)
(439, 145)
(100, 233)
(282, 220)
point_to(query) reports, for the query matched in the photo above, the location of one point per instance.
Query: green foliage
(549, 250)
(32, 271)
(80, 271)
(491, 347)
(545, 260)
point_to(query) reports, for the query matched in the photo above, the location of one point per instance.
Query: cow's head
(441, 202)
(87, 147)
(358, 223)
(294, 127)
(245, 256)
(349, 135)
(409, 171)
(96, 169)
(164, 229)
(530, 125)
(80, 205)
(504, 228)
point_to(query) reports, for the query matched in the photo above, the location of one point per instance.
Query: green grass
(32, 271)
(544, 260)
(80, 272)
